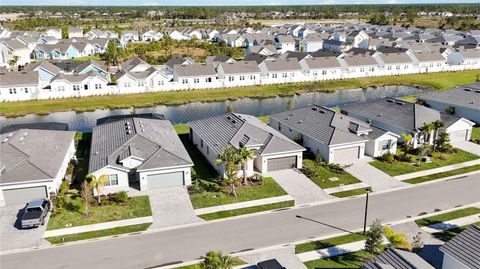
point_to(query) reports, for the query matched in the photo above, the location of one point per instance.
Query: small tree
(417, 243)
(443, 143)
(244, 155)
(407, 138)
(290, 104)
(438, 124)
(61, 197)
(216, 260)
(229, 158)
(64, 32)
(450, 110)
(229, 108)
(421, 152)
(374, 241)
(86, 193)
(397, 240)
(97, 184)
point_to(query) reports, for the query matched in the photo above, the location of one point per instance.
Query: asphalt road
(189, 243)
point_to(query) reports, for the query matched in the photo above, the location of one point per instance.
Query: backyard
(400, 167)
(440, 82)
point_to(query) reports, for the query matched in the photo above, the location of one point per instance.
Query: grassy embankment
(439, 81)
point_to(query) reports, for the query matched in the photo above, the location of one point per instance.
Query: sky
(216, 2)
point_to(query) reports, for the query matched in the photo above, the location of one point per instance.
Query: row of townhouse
(137, 76)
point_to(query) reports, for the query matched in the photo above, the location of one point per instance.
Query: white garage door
(458, 135)
(281, 163)
(346, 154)
(24, 195)
(165, 180)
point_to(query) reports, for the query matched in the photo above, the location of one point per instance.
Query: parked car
(35, 213)
(270, 264)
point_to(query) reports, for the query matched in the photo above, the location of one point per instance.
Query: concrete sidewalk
(451, 224)
(298, 186)
(266, 201)
(97, 226)
(437, 170)
(331, 251)
(361, 185)
(372, 176)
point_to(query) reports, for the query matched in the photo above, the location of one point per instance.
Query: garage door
(281, 163)
(24, 195)
(346, 154)
(458, 135)
(165, 180)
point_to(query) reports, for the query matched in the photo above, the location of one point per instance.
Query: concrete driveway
(467, 146)
(372, 176)
(12, 236)
(299, 186)
(171, 207)
(284, 255)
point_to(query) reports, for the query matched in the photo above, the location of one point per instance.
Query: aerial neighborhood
(246, 139)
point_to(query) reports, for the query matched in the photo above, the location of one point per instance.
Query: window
(252, 77)
(385, 144)
(140, 83)
(201, 143)
(389, 67)
(12, 91)
(208, 80)
(112, 180)
(279, 126)
(397, 67)
(26, 90)
(98, 86)
(242, 77)
(184, 81)
(315, 73)
(86, 86)
(160, 82)
(274, 75)
(231, 78)
(196, 80)
(362, 69)
(76, 87)
(284, 75)
(127, 84)
(61, 88)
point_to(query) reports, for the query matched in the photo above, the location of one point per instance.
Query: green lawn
(247, 210)
(136, 207)
(99, 233)
(343, 194)
(330, 242)
(448, 216)
(476, 133)
(439, 81)
(400, 168)
(269, 188)
(322, 175)
(444, 174)
(349, 260)
(236, 262)
(447, 235)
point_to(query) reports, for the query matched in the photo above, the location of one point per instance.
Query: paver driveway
(12, 236)
(171, 207)
(299, 186)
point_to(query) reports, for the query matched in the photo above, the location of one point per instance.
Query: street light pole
(366, 211)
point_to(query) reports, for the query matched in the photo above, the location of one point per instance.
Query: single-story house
(143, 149)
(33, 163)
(272, 150)
(463, 251)
(397, 258)
(401, 117)
(465, 99)
(336, 137)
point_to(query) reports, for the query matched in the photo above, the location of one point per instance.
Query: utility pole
(366, 213)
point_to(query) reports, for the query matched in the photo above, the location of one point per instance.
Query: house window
(184, 81)
(208, 80)
(76, 87)
(112, 180)
(231, 78)
(201, 143)
(279, 126)
(324, 72)
(389, 67)
(274, 75)
(26, 90)
(85, 86)
(98, 86)
(385, 145)
(284, 75)
(13, 91)
(126, 84)
(140, 83)
(196, 80)
(362, 69)
(61, 88)
(252, 77)
(242, 77)
(160, 83)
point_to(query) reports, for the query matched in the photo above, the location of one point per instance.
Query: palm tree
(229, 158)
(437, 125)
(244, 155)
(427, 129)
(97, 183)
(216, 260)
(397, 240)
(408, 140)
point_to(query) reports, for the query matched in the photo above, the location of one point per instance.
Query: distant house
(14, 53)
(137, 76)
(397, 258)
(46, 71)
(401, 117)
(336, 137)
(242, 73)
(55, 33)
(272, 150)
(335, 45)
(75, 32)
(360, 65)
(463, 250)
(142, 149)
(324, 68)
(281, 71)
(313, 42)
(195, 76)
(77, 85)
(18, 86)
(152, 35)
(59, 51)
(130, 36)
(284, 43)
(465, 99)
(34, 163)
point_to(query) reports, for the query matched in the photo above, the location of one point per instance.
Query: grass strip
(448, 216)
(329, 242)
(443, 174)
(343, 194)
(247, 210)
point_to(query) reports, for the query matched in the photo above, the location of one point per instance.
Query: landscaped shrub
(387, 157)
(121, 197)
(257, 179)
(402, 158)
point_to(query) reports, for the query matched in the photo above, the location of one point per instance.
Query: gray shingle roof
(406, 115)
(324, 62)
(240, 130)
(242, 67)
(77, 77)
(23, 78)
(196, 69)
(465, 247)
(53, 69)
(397, 259)
(466, 96)
(32, 154)
(359, 60)
(151, 138)
(283, 65)
(322, 124)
